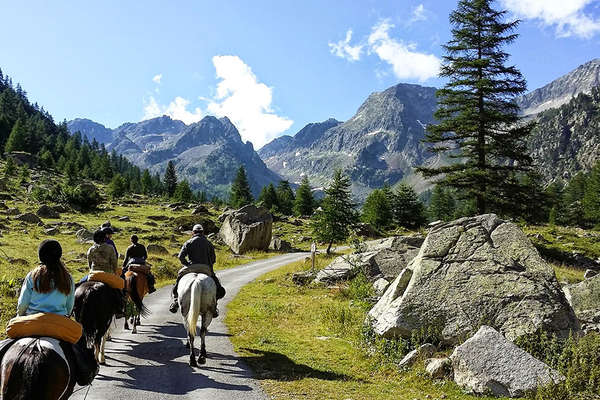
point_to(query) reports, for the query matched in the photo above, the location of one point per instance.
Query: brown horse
(136, 284)
(35, 368)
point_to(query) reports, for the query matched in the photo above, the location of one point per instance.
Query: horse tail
(135, 297)
(194, 311)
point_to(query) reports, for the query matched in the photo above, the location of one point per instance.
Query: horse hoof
(201, 360)
(193, 364)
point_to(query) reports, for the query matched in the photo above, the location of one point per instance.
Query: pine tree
(170, 179)
(408, 210)
(202, 198)
(304, 203)
(10, 167)
(17, 138)
(441, 205)
(285, 198)
(337, 215)
(479, 124)
(377, 209)
(268, 197)
(146, 182)
(572, 201)
(183, 192)
(240, 194)
(591, 196)
(24, 175)
(46, 159)
(118, 187)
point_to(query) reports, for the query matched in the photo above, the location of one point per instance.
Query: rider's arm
(126, 257)
(25, 296)
(145, 255)
(211, 255)
(114, 261)
(183, 255)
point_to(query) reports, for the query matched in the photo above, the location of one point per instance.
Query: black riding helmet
(99, 236)
(50, 252)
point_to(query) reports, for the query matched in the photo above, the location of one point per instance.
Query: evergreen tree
(146, 182)
(377, 209)
(24, 175)
(170, 179)
(285, 198)
(46, 159)
(118, 187)
(337, 215)
(591, 196)
(408, 210)
(304, 203)
(183, 192)
(240, 194)
(17, 139)
(572, 202)
(268, 197)
(202, 198)
(441, 205)
(479, 124)
(10, 167)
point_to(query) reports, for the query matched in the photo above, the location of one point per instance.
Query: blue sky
(271, 66)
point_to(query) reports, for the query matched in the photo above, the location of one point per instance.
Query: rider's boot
(215, 311)
(151, 280)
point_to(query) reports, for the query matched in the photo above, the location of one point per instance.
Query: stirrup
(174, 306)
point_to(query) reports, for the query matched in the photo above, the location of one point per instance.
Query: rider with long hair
(49, 288)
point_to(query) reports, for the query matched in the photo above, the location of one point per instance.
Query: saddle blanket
(112, 280)
(44, 324)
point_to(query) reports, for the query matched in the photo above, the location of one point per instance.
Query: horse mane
(32, 369)
(135, 296)
(95, 305)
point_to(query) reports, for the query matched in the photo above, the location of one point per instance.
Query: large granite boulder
(488, 363)
(384, 258)
(584, 297)
(278, 244)
(47, 212)
(248, 228)
(29, 218)
(473, 270)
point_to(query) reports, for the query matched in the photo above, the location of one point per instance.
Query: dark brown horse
(95, 306)
(136, 284)
(35, 368)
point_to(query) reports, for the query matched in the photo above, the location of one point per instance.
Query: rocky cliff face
(566, 139)
(562, 90)
(379, 145)
(207, 153)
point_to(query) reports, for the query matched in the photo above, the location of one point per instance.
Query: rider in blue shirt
(49, 288)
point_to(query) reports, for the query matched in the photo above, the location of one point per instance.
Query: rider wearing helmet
(137, 254)
(197, 250)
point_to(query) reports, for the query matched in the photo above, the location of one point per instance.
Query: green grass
(306, 343)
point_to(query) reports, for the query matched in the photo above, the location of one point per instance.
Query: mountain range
(381, 144)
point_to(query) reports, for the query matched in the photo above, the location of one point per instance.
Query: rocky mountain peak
(562, 90)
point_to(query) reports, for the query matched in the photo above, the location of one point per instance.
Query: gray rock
(380, 285)
(47, 212)
(83, 235)
(488, 363)
(156, 249)
(383, 258)
(438, 368)
(473, 269)
(303, 278)
(248, 228)
(29, 218)
(584, 297)
(424, 351)
(279, 244)
(124, 219)
(393, 292)
(200, 210)
(225, 214)
(51, 231)
(589, 274)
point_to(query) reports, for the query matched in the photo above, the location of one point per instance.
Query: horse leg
(101, 359)
(126, 325)
(191, 342)
(202, 356)
(134, 324)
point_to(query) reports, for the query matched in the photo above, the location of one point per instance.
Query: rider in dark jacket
(197, 250)
(137, 254)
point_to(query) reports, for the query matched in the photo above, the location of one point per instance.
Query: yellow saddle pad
(44, 324)
(109, 278)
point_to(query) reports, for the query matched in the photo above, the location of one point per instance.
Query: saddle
(44, 324)
(139, 268)
(202, 269)
(112, 280)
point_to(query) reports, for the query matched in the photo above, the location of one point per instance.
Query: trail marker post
(313, 251)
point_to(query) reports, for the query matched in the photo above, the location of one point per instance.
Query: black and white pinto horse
(95, 306)
(197, 294)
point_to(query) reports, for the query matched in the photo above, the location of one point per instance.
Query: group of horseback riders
(50, 289)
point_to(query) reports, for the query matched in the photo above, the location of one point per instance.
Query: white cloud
(568, 16)
(345, 50)
(177, 109)
(406, 61)
(245, 101)
(418, 14)
(157, 78)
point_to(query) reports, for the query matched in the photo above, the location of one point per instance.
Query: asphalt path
(153, 364)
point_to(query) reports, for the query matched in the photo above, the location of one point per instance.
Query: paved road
(153, 364)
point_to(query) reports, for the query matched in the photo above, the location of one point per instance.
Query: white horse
(197, 294)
